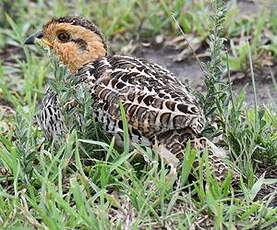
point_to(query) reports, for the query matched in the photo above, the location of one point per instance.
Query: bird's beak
(32, 39)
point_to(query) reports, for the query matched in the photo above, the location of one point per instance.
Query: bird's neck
(94, 69)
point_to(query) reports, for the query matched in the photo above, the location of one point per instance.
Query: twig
(184, 35)
(229, 81)
(254, 85)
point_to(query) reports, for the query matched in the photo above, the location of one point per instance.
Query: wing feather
(154, 100)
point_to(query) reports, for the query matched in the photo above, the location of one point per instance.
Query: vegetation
(85, 182)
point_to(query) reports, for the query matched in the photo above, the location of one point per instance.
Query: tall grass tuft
(217, 97)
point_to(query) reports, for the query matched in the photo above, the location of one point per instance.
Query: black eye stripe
(81, 43)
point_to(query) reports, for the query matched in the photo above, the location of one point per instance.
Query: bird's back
(153, 99)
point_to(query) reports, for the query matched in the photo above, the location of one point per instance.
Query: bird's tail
(217, 159)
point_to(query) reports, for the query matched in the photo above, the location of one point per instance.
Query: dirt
(190, 71)
(253, 7)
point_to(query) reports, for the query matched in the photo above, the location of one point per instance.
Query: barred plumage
(154, 101)
(50, 118)
(161, 111)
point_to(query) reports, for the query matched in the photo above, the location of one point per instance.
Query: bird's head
(75, 40)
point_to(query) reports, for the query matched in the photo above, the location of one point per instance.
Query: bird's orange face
(74, 40)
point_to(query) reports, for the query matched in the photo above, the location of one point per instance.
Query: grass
(86, 182)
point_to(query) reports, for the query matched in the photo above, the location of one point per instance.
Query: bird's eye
(63, 36)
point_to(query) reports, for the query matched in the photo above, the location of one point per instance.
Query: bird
(161, 112)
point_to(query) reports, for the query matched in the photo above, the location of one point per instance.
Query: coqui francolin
(161, 111)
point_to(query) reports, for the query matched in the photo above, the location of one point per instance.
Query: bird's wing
(154, 101)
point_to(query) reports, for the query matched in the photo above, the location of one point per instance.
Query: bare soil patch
(190, 71)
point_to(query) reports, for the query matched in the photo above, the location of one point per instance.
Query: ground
(189, 70)
(86, 183)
